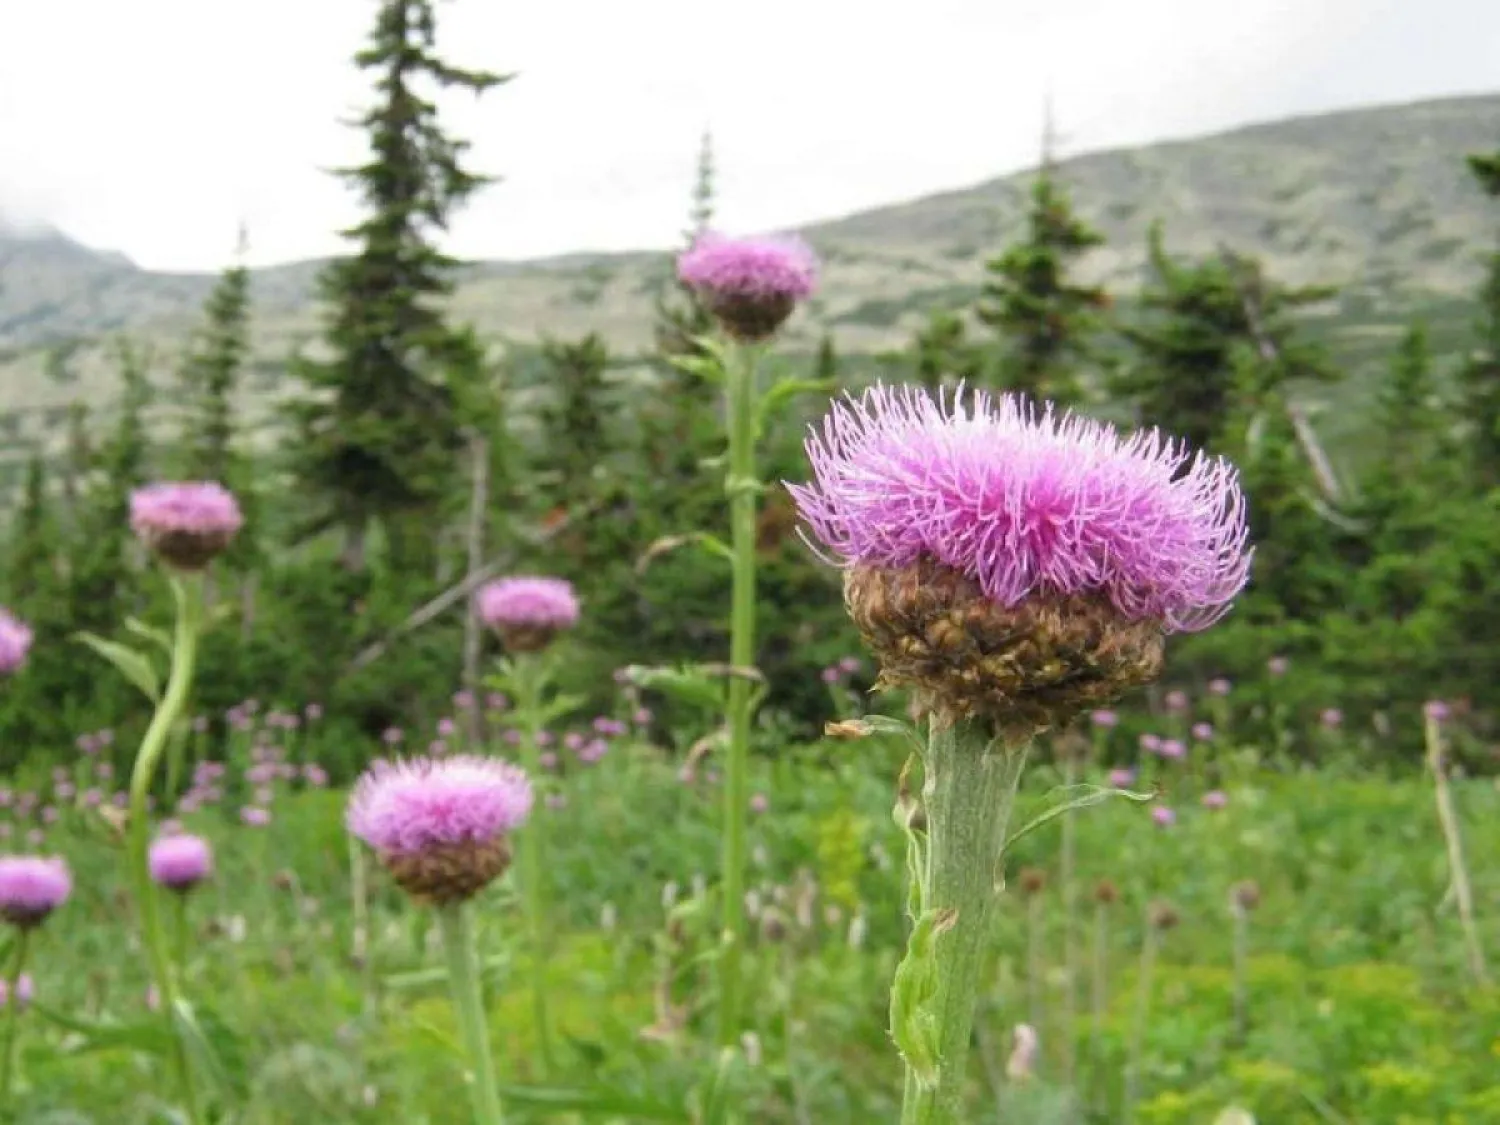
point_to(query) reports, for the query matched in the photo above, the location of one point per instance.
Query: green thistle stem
(968, 793)
(13, 1015)
(742, 490)
(187, 590)
(529, 684)
(456, 926)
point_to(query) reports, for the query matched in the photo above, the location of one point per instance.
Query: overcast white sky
(155, 126)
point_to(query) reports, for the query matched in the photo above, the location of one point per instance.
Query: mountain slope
(1374, 200)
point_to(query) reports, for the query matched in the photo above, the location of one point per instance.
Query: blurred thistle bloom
(1278, 665)
(253, 817)
(185, 524)
(1203, 732)
(850, 665)
(1151, 743)
(463, 700)
(751, 285)
(642, 717)
(527, 612)
(1172, 749)
(446, 727)
(1105, 719)
(441, 827)
(1331, 718)
(392, 736)
(594, 750)
(573, 741)
(831, 674)
(1014, 563)
(1220, 687)
(32, 887)
(1436, 710)
(547, 759)
(1215, 799)
(1177, 701)
(557, 801)
(1121, 777)
(545, 738)
(1163, 816)
(315, 775)
(759, 803)
(180, 862)
(15, 642)
(25, 992)
(313, 712)
(496, 701)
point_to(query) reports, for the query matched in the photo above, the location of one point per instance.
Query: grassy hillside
(1376, 201)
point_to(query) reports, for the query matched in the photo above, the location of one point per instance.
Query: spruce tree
(1046, 324)
(380, 437)
(210, 376)
(577, 437)
(1480, 376)
(31, 576)
(942, 352)
(96, 588)
(1197, 316)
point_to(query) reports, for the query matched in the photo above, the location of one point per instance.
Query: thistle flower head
(528, 611)
(180, 861)
(751, 285)
(440, 826)
(15, 642)
(1015, 562)
(32, 887)
(186, 524)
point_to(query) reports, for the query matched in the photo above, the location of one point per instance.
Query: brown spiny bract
(1033, 881)
(1026, 668)
(1246, 895)
(1106, 893)
(525, 638)
(1164, 916)
(448, 874)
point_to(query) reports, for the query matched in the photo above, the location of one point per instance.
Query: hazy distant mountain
(1377, 201)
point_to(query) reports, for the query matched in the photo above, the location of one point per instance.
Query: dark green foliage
(944, 354)
(576, 436)
(1182, 375)
(378, 438)
(1480, 375)
(1045, 323)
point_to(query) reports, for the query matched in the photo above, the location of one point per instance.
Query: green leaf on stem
(914, 1025)
(212, 1046)
(667, 543)
(689, 684)
(135, 666)
(783, 391)
(160, 637)
(593, 1101)
(1089, 795)
(87, 1036)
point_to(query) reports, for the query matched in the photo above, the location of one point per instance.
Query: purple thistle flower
(446, 727)
(6, 798)
(1121, 778)
(831, 674)
(1025, 502)
(315, 775)
(264, 796)
(545, 738)
(313, 712)
(1176, 701)
(1163, 816)
(392, 736)
(463, 700)
(528, 611)
(1331, 718)
(15, 642)
(547, 759)
(180, 862)
(642, 717)
(1278, 665)
(850, 665)
(511, 737)
(86, 744)
(440, 827)
(1151, 743)
(759, 803)
(1203, 732)
(496, 701)
(105, 737)
(1105, 719)
(253, 817)
(751, 285)
(25, 992)
(593, 751)
(1215, 799)
(104, 771)
(185, 524)
(34, 839)
(32, 887)
(1220, 687)
(1172, 749)
(573, 741)
(1436, 710)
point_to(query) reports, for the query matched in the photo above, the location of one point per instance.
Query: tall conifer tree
(210, 376)
(380, 437)
(1481, 373)
(1045, 323)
